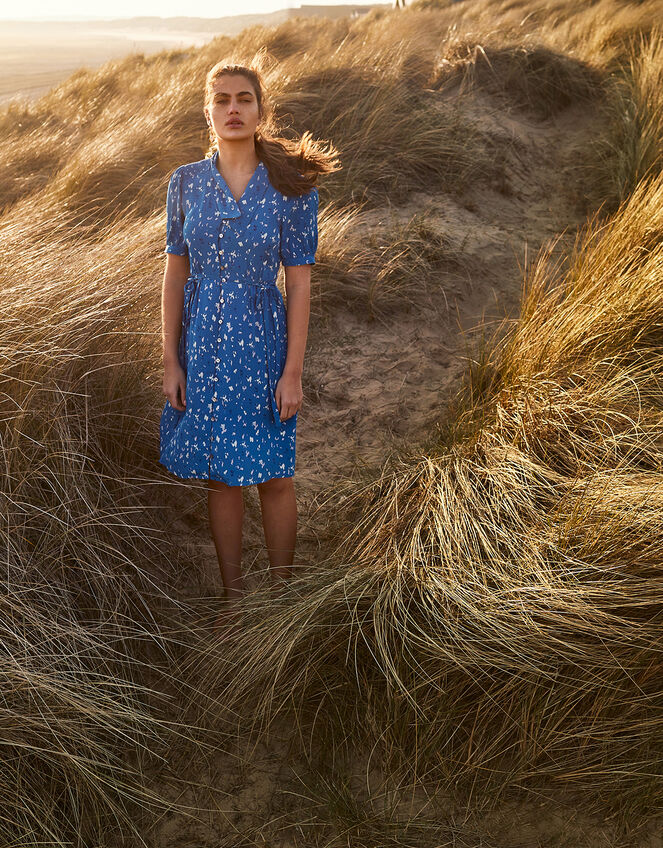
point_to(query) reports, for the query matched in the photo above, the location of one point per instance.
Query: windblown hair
(293, 166)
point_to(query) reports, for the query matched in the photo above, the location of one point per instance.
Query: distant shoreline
(36, 55)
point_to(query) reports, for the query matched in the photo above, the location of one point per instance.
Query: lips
(233, 123)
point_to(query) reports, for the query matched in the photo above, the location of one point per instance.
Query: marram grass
(492, 616)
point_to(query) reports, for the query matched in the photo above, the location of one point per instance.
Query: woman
(233, 357)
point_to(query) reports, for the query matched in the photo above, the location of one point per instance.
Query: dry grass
(635, 110)
(491, 616)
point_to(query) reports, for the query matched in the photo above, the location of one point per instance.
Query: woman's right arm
(172, 303)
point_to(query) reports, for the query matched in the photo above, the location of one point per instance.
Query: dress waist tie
(191, 289)
(265, 301)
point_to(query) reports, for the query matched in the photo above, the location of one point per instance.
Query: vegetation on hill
(484, 614)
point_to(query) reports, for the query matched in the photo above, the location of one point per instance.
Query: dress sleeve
(299, 229)
(175, 216)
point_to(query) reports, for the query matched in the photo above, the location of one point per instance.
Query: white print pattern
(233, 343)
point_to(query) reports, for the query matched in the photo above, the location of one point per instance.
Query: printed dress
(233, 342)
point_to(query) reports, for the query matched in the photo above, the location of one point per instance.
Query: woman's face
(232, 109)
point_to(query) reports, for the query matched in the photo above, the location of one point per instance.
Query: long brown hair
(293, 166)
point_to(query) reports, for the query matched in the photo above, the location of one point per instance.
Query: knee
(218, 489)
(220, 486)
(275, 486)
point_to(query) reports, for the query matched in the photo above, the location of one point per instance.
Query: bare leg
(226, 514)
(279, 521)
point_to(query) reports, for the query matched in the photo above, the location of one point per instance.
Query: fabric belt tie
(191, 288)
(265, 296)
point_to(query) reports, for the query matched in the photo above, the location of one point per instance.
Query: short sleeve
(299, 229)
(175, 216)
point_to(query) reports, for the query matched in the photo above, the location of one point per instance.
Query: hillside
(478, 378)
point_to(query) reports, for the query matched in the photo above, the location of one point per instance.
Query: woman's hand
(289, 394)
(174, 385)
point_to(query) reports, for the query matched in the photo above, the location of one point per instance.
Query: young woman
(233, 356)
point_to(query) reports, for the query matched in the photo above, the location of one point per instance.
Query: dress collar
(248, 203)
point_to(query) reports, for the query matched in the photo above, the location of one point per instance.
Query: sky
(107, 9)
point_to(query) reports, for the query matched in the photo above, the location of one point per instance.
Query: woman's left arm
(298, 244)
(298, 298)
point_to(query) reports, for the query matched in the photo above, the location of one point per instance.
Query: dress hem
(221, 480)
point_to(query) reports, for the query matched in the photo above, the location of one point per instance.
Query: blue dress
(233, 341)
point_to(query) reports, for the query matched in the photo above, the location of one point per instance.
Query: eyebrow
(227, 92)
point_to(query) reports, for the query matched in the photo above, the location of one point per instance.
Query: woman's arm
(172, 303)
(297, 247)
(298, 300)
(289, 394)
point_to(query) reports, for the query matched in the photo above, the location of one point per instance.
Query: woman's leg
(226, 514)
(279, 520)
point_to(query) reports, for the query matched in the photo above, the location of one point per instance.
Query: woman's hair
(293, 166)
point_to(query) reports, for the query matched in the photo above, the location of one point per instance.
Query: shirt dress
(233, 342)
